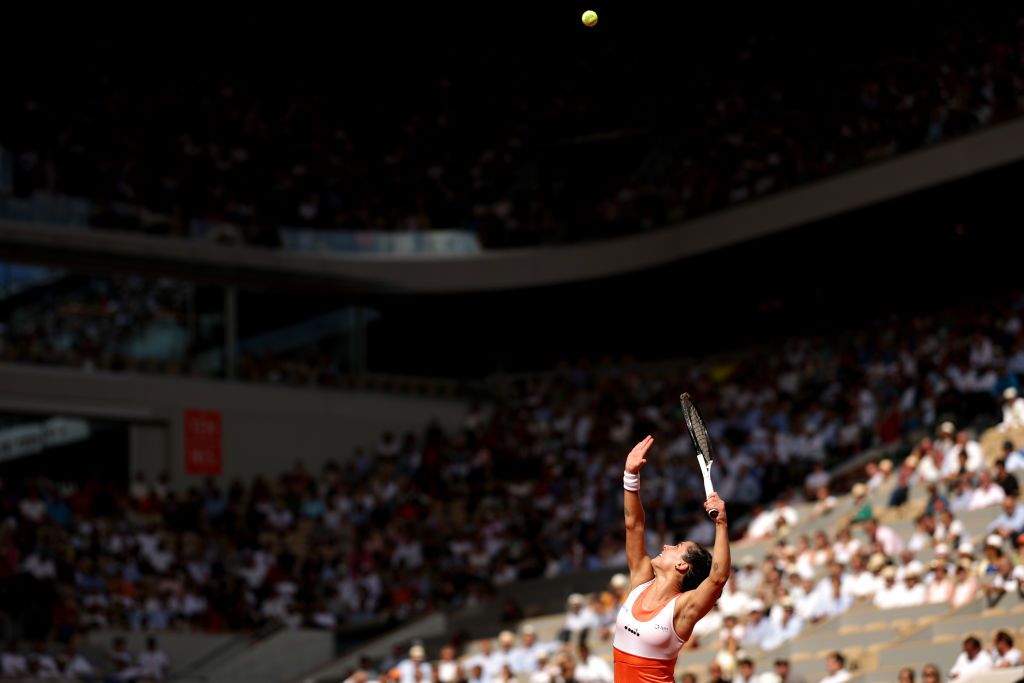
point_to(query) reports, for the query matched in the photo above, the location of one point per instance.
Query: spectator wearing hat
(579, 619)
(415, 668)
(915, 592)
(1004, 654)
(1004, 579)
(525, 657)
(965, 584)
(748, 577)
(889, 594)
(973, 660)
(929, 462)
(790, 626)
(965, 455)
(758, 625)
(941, 587)
(1013, 410)
(861, 507)
(489, 661)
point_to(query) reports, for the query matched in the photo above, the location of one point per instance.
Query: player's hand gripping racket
(701, 443)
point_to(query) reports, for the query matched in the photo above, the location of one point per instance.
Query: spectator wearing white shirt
(448, 669)
(489, 660)
(72, 664)
(745, 671)
(12, 662)
(579, 619)
(941, 587)
(524, 658)
(835, 664)
(153, 662)
(892, 544)
(1011, 521)
(973, 660)
(590, 668)
(889, 594)
(759, 627)
(964, 446)
(748, 577)
(41, 663)
(1014, 458)
(414, 669)
(965, 585)
(914, 592)
(1013, 410)
(789, 628)
(1004, 654)
(862, 583)
(987, 493)
(831, 602)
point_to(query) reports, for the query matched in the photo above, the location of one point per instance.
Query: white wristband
(630, 481)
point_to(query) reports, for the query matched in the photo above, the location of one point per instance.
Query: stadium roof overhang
(106, 250)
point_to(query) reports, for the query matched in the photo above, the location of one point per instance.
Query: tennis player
(668, 593)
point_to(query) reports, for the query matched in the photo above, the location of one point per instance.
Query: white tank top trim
(655, 638)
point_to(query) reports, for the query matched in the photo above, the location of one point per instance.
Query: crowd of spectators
(529, 487)
(567, 143)
(772, 599)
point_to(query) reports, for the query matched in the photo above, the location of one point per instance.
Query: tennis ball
(589, 18)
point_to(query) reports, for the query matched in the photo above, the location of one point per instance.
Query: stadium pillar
(357, 341)
(230, 332)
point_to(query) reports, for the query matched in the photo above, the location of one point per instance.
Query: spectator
(789, 628)
(966, 586)
(579, 620)
(1013, 410)
(973, 660)
(153, 662)
(890, 541)
(1010, 522)
(1014, 458)
(73, 665)
(785, 673)
(13, 663)
(987, 493)
(745, 671)
(590, 668)
(835, 664)
(415, 669)
(930, 674)
(1004, 654)
(448, 668)
(940, 590)
(758, 627)
(1006, 481)
(906, 675)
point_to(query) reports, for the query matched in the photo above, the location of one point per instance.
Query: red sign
(203, 452)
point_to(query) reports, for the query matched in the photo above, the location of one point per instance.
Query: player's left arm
(701, 599)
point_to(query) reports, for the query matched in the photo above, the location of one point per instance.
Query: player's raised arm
(640, 569)
(700, 601)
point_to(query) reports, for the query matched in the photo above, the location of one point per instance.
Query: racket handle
(708, 489)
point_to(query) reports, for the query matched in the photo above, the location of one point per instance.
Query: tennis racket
(701, 443)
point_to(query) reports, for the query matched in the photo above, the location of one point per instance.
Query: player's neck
(665, 588)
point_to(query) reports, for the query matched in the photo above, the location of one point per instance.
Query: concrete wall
(264, 428)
